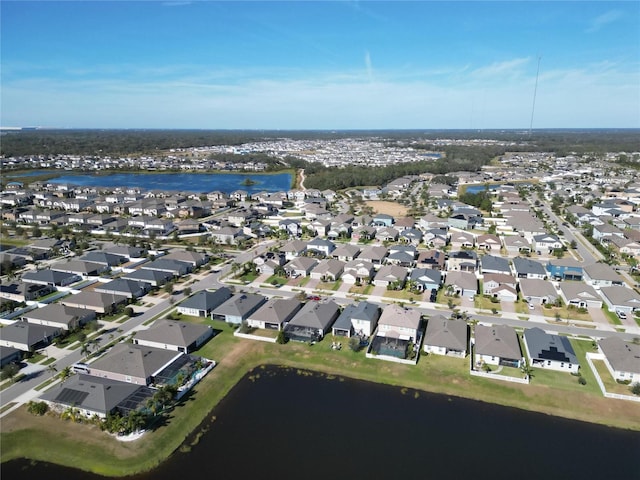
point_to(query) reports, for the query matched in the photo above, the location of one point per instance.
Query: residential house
(462, 260)
(346, 252)
(293, 249)
(488, 242)
(601, 275)
(24, 292)
(493, 264)
(391, 276)
(321, 246)
(402, 255)
(238, 308)
(462, 283)
(225, 235)
(459, 240)
(320, 227)
(565, 269)
(446, 336)
(546, 243)
(136, 364)
(357, 318)
(374, 254)
(291, 226)
(621, 299)
(80, 268)
(580, 295)
(399, 322)
(527, 268)
(103, 303)
(59, 316)
(274, 314)
(433, 259)
(131, 289)
(93, 396)
(382, 220)
(622, 358)
(312, 321)
(174, 335)
(202, 303)
(27, 336)
(501, 286)
(196, 259)
(358, 271)
(550, 351)
(515, 244)
(387, 234)
(328, 270)
(426, 279)
(411, 236)
(300, 266)
(436, 237)
(155, 278)
(50, 277)
(496, 345)
(176, 268)
(537, 292)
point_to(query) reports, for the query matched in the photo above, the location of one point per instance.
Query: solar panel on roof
(70, 396)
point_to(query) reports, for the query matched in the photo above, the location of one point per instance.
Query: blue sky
(320, 65)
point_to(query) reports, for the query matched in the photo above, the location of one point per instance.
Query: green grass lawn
(566, 313)
(485, 303)
(402, 295)
(361, 289)
(443, 299)
(50, 439)
(276, 280)
(611, 316)
(609, 382)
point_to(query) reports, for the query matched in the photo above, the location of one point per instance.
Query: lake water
(278, 423)
(189, 182)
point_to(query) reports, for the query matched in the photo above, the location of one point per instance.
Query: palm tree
(52, 369)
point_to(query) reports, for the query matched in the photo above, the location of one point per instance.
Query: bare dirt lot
(390, 208)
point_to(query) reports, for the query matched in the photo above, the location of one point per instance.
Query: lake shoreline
(243, 358)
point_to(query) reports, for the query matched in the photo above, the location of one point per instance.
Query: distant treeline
(126, 142)
(457, 159)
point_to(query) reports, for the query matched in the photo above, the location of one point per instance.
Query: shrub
(635, 388)
(281, 338)
(582, 380)
(37, 408)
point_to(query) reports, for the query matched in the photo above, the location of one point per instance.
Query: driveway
(508, 307)
(598, 316)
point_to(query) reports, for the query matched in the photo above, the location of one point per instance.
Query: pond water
(189, 182)
(286, 424)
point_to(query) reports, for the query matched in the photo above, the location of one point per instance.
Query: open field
(390, 208)
(50, 439)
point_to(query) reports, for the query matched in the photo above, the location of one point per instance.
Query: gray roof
(149, 276)
(346, 250)
(426, 275)
(194, 258)
(525, 266)
(330, 265)
(445, 332)
(623, 356)
(134, 360)
(579, 290)
(621, 296)
(26, 333)
(96, 394)
(498, 341)
(78, 266)
(49, 276)
(277, 310)
(58, 313)
(104, 258)
(206, 300)
(167, 265)
(123, 285)
(545, 346)
(125, 251)
(491, 262)
(318, 315)
(464, 280)
(240, 305)
(602, 271)
(361, 311)
(173, 332)
(536, 287)
(396, 316)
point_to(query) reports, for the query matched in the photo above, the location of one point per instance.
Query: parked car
(621, 315)
(313, 297)
(531, 307)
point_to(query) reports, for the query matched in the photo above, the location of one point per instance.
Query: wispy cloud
(368, 66)
(603, 20)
